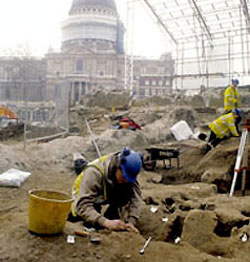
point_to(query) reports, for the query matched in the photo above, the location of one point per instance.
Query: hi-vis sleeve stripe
(218, 127)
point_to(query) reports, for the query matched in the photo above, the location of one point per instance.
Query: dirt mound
(216, 167)
(153, 101)
(107, 99)
(13, 157)
(56, 154)
(185, 113)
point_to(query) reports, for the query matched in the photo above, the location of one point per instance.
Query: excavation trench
(200, 225)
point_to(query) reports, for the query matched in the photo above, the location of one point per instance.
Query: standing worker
(112, 180)
(223, 127)
(231, 96)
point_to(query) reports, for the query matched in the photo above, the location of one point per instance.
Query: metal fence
(42, 120)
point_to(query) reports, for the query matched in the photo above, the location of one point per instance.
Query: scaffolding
(210, 39)
(129, 54)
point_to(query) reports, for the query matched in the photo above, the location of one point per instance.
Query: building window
(146, 82)
(79, 65)
(142, 92)
(153, 82)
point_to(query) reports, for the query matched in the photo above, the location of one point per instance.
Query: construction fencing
(42, 120)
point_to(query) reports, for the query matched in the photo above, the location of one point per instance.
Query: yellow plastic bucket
(48, 211)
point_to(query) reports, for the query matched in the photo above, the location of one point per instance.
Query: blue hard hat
(130, 164)
(235, 81)
(237, 111)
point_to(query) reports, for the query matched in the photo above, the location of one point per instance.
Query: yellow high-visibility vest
(231, 98)
(224, 126)
(99, 164)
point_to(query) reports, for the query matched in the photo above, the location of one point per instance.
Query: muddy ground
(210, 225)
(195, 219)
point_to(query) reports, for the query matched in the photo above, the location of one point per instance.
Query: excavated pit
(194, 224)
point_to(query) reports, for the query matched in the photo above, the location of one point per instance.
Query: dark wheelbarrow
(155, 154)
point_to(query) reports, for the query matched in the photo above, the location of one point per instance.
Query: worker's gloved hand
(116, 224)
(131, 228)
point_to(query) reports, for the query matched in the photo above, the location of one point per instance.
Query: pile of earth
(107, 99)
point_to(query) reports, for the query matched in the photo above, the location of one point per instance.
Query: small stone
(95, 240)
(177, 240)
(154, 209)
(165, 219)
(244, 237)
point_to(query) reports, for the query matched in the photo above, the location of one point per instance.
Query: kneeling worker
(112, 180)
(223, 127)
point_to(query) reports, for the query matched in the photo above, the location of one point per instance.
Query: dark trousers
(214, 141)
(237, 122)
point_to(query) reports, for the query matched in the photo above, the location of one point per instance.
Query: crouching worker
(112, 180)
(223, 127)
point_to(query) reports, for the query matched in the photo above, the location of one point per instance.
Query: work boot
(207, 149)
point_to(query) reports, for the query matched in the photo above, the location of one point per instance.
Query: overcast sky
(37, 23)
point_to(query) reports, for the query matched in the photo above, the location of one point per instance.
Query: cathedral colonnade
(77, 89)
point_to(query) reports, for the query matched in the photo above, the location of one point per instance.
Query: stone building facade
(92, 55)
(22, 79)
